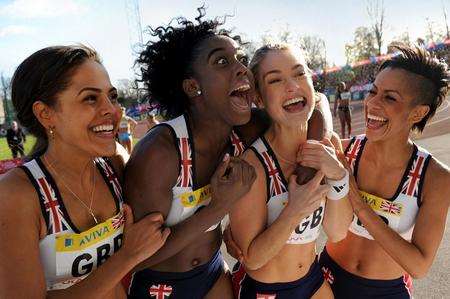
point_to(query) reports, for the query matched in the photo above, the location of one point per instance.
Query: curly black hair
(432, 87)
(166, 62)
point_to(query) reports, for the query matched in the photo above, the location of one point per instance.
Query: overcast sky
(28, 25)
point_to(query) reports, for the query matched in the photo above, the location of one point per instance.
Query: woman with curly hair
(184, 168)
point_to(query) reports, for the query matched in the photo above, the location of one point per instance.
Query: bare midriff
(290, 264)
(364, 258)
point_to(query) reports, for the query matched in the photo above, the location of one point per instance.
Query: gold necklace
(89, 208)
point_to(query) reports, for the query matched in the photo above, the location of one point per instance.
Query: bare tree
(315, 50)
(363, 46)
(401, 40)
(128, 92)
(5, 87)
(435, 33)
(430, 31)
(444, 11)
(376, 13)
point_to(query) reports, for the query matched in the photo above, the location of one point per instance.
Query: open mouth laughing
(295, 104)
(375, 122)
(241, 97)
(104, 130)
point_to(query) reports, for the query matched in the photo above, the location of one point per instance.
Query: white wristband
(339, 189)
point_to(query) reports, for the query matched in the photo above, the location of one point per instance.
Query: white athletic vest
(123, 124)
(68, 255)
(187, 197)
(400, 211)
(346, 95)
(277, 193)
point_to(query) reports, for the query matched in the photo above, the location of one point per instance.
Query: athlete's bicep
(21, 271)
(248, 217)
(150, 174)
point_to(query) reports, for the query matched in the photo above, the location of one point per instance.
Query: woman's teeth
(375, 122)
(376, 118)
(242, 88)
(240, 91)
(103, 128)
(294, 101)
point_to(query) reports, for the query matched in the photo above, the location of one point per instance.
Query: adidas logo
(339, 189)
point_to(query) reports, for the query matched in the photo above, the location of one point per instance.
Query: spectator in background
(16, 138)
(151, 119)
(126, 127)
(342, 103)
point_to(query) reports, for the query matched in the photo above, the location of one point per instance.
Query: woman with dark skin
(61, 213)
(197, 74)
(399, 192)
(342, 103)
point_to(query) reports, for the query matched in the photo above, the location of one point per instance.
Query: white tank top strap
(237, 144)
(415, 174)
(109, 175)
(354, 150)
(52, 207)
(185, 152)
(275, 180)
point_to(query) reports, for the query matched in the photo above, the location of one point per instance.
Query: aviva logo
(76, 242)
(197, 197)
(381, 205)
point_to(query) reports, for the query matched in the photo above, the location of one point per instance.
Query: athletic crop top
(123, 124)
(68, 255)
(188, 198)
(400, 211)
(277, 196)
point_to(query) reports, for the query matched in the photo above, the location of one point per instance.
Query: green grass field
(5, 152)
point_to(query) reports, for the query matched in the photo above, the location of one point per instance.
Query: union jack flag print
(411, 186)
(353, 151)
(391, 208)
(160, 291)
(112, 178)
(52, 207)
(276, 184)
(118, 220)
(328, 275)
(238, 146)
(185, 177)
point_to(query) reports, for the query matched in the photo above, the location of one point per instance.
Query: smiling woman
(197, 74)
(399, 191)
(67, 199)
(277, 222)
